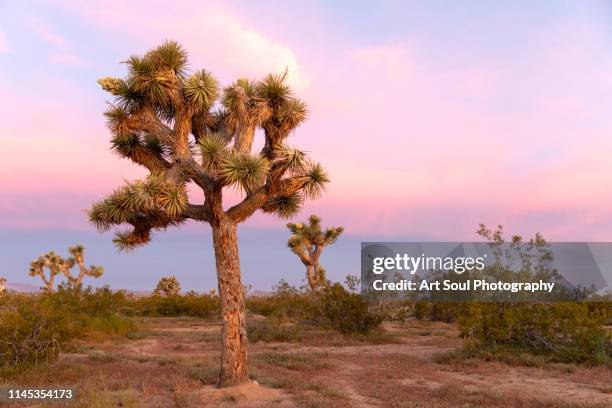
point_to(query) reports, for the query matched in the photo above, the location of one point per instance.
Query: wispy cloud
(216, 36)
(62, 53)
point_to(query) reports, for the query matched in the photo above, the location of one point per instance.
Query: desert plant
(341, 310)
(563, 331)
(33, 327)
(190, 304)
(168, 286)
(351, 282)
(57, 265)
(160, 115)
(2, 285)
(307, 242)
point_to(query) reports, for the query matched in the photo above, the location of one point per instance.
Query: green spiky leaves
(200, 91)
(274, 90)
(244, 170)
(284, 206)
(118, 119)
(242, 106)
(286, 111)
(290, 160)
(170, 56)
(213, 151)
(316, 179)
(126, 240)
(292, 113)
(153, 196)
(147, 79)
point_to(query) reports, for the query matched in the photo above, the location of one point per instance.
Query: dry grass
(173, 362)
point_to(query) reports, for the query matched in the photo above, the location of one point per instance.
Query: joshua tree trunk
(231, 294)
(312, 278)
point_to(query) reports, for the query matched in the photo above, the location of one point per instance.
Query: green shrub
(346, 312)
(34, 327)
(191, 304)
(437, 311)
(331, 307)
(567, 332)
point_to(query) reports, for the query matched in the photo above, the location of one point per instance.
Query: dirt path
(174, 363)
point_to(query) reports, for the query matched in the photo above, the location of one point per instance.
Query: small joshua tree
(307, 242)
(2, 285)
(58, 265)
(168, 286)
(163, 120)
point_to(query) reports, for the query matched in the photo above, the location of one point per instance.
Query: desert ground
(173, 362)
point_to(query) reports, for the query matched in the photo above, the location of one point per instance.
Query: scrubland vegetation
(311, 346)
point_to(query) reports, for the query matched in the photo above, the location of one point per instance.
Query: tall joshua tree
(162, 119)
(307, 242)
(58, 265)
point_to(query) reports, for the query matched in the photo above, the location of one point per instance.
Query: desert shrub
(339, 309)
(272, 331)
(566, 332)
(437, 311)
(330, 307)
(34, 327)
(190, 304)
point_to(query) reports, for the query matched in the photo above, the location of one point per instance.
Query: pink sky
(423, 130)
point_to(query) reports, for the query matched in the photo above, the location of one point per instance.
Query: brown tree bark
(312, 278)
(233, 308)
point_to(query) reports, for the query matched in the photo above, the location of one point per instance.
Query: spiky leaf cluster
(284, 205)
(153, 196)
(242, 106)
(201, 90)
(286, 111)
(213, 149)
(244, 170)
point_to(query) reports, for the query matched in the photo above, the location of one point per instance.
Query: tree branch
(255, 200)
(145, 120)
(145, 157)
(196, 212)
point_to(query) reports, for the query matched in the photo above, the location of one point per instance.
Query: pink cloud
(216, 38)
(62, 53)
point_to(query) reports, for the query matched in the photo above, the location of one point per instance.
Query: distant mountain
(22, 287)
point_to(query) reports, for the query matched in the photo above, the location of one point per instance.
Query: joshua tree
(2, 285)
(307, 242)
(58, 265)
(168, 286)
(162, 119)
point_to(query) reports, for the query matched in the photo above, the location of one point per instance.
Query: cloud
(62, 53)
(4, 47)
(217, 38)
(68, 58)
